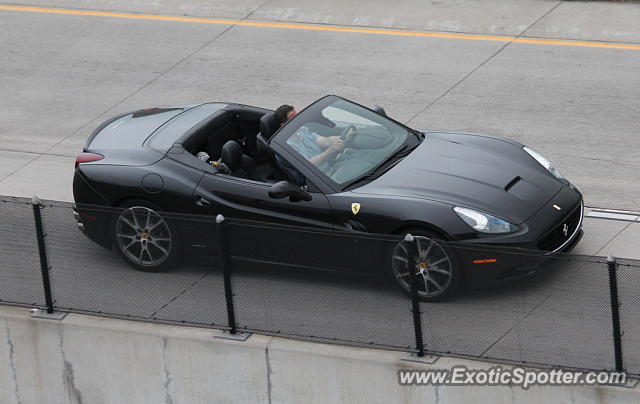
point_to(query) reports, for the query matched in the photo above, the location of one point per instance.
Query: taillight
(88, 157)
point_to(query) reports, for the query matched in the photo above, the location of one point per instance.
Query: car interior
(235, 141)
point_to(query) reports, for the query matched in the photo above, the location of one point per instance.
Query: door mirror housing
(285, 189)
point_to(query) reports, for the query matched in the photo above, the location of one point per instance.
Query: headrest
(268, 125)
(231, 155)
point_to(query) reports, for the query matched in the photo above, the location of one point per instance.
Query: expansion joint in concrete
(167, 375)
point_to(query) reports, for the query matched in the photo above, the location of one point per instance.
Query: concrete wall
(84, 359)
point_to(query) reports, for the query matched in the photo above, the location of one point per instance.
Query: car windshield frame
(313, 114)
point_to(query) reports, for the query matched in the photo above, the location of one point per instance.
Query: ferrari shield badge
(355, 208)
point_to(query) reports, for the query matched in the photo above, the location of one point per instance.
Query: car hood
(486, 173)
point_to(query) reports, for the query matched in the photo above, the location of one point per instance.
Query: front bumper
(506, 257)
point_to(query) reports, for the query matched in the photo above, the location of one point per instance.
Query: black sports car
(336, 166)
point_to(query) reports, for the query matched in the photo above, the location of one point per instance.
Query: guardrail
(579, 312)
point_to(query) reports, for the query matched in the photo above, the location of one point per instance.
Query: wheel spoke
(161, 239)
(135, 219)
(164, 250)
(439, 270)
(426, 285)
(395, 257)
(149, 255)
(426, 253)
(142, 249)
(124, 219)
(156, 224)
(439, 261)
(403, 248)
(421, 252)
(125, 248)
(436, 284)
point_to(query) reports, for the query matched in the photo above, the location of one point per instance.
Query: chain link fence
(245, 276)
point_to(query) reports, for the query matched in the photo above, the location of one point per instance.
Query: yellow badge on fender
(355, 208)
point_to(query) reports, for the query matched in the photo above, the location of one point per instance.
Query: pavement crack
(491, 57)
(250, 13)
(589, 158)
(68, 377)
(614, 237)
(20, 168)
(173, 299)
(518, 322)
(12, 364)
(167, 376)
(153, 80)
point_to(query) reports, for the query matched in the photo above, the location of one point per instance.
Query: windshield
(344, 140)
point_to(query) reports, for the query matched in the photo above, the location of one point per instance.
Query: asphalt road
(463, 65)
(559, 316)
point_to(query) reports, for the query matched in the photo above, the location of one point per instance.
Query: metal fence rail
(580, 312)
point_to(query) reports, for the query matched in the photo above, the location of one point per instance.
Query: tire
(438, 273)
(143, 238)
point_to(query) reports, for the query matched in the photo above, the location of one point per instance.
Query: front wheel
(144, 238)
(434, 264)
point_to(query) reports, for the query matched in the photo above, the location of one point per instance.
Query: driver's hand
(335, 147)
(350, 133)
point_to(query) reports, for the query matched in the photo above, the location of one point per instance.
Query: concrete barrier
(85, 359)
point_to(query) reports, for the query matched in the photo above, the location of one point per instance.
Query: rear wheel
(434, 264)
(144, 238)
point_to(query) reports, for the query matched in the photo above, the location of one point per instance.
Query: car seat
(238, 164)
(268, 125)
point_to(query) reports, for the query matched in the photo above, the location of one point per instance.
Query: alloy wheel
(430, 262)
(143, 236)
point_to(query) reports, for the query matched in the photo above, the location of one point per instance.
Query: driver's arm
(335, 148)
(325, 142)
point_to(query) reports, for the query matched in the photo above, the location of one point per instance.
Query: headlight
(544, 162)
(484, 223)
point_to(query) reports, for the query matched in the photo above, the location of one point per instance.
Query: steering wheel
(343, 136)
(347, 143)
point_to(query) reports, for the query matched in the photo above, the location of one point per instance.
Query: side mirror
(380, 110)
(284, 189)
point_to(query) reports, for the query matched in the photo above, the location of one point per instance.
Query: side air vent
(356, 226)
(512, 183)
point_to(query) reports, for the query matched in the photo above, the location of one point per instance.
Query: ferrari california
(338, 169)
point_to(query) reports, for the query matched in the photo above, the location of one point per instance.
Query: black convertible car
(381, 177)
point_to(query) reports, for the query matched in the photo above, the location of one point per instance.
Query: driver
(319, 150)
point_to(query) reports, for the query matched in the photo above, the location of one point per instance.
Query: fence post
(44, 263)
(615, 313)
(412, 250)
(226, 268)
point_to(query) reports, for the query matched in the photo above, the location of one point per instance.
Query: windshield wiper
(369, 176)
(400, 153)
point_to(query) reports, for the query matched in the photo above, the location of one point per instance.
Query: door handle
(203, 202)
